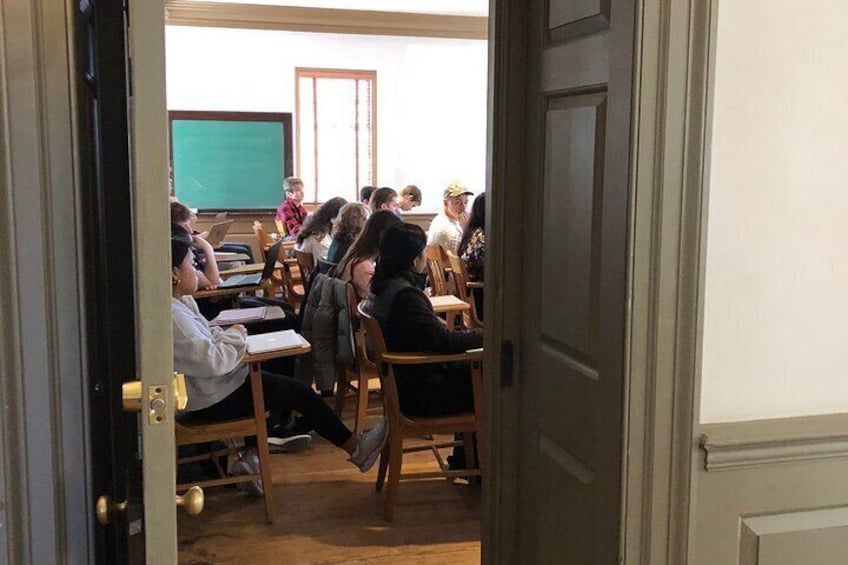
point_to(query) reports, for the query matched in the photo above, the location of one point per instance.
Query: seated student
(446, 228)
(385, 198)
(216, 378)
(410, 197)
(291, 211)
(409, 324)
(365, 194)
(348, 224)
(472, 248)
(358, 263)
(314, 237)
(203, 255)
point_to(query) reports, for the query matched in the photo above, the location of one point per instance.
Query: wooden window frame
(350, 74)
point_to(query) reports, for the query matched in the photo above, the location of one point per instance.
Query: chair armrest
(474, 284)
(423, 358)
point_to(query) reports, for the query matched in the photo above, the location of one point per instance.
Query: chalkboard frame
(284, 118)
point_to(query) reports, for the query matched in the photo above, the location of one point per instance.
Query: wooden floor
(328, 512)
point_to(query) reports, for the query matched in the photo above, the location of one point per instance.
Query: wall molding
(323, 20)
(768, 442)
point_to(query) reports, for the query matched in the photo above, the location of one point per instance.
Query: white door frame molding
(46, 508)
(670, 128)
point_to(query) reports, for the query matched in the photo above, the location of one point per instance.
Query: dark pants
(232, 247)
(444, 390)
(282, 395)
(437, 390)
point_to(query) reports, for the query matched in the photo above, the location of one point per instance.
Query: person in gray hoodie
(216, 377)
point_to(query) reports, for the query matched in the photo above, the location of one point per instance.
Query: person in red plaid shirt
(291, 211)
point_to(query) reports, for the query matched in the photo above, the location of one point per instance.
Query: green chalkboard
(230, 160)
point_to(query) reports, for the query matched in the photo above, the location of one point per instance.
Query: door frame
(668, 140)
(149, 140)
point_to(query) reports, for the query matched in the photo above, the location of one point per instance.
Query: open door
(561, 270)
(121, 118)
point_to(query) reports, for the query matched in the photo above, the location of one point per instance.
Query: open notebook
(274, 341)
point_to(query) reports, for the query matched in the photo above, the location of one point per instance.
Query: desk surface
(235, 290)
(227, 257)
(448, 303)
(276, 354)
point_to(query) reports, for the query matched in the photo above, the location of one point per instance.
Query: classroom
(431, 281)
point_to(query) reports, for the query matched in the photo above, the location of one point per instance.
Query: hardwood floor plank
(329, 513)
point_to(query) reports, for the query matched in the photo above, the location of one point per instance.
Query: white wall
(431, 93)
(776, 298)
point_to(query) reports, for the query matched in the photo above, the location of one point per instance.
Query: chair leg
(395, 463)
(361, 401)
(381, 471)
(468, 444)
(265, 472)
(342, 384)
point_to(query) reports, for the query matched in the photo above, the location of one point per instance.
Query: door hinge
(507, 360)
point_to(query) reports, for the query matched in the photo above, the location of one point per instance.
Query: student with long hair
(384, 198)
(351, 220)
(408, 322)
(358, 263)
(314, 236)
(472, 248)
(216, 377)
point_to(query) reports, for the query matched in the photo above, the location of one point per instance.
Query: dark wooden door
(101, 61)
(571, 371)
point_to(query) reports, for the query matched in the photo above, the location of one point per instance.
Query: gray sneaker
(248, 464)
(370, 445)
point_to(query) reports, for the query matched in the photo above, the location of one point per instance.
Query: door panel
(571, 370)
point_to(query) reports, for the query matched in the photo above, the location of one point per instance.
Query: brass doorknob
(192, 501)
(106, 507)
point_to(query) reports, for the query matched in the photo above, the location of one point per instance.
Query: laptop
(218, 232)
(274, 341)
(256, 278)
(220, 217)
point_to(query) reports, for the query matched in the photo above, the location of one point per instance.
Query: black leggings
(282, 395)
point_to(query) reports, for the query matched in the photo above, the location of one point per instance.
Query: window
(336, 130)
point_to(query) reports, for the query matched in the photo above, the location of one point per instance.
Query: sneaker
(290, 444)
(370, 445)
(248, 464)
(282, 439)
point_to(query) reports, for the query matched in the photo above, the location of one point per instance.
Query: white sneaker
(370, 445)
(248, 464)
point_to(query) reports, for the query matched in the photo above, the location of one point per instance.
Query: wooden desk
(232, 292)
(226, 257)
(450, 305)
(253, 362)
(249, 269)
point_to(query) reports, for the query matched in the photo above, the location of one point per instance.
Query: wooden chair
(403, 427)
(262, 239)
(281, 228)
(356, 377)
(436, 270)
(463, 288)
(193, 432)
(306, 264)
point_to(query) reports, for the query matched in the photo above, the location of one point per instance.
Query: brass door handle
(192, 501)
(106, 507)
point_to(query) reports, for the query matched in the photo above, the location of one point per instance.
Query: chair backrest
(357, 330)
(436, 270)
(306, 263)
(326, 267)
(374, 333)
(459, 271)
(281, 228)
(262, 238)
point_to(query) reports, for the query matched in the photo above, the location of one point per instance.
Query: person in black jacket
(409, 324)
